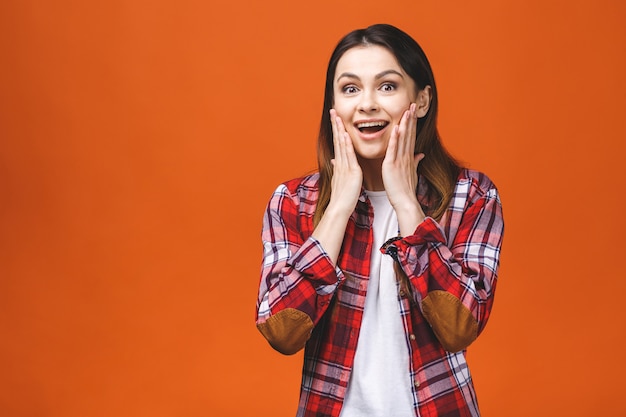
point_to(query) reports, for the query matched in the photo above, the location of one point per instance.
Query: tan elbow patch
(287, 331)
(453, 323)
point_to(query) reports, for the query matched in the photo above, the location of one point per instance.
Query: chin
(371, 156)
(372, 152)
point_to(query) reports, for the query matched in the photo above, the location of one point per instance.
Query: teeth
(370, 124)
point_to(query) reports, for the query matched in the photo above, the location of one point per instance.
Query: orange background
(140, 141)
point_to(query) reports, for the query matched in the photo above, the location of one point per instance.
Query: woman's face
(371, 92)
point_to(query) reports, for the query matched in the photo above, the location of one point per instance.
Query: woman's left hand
(399, 172)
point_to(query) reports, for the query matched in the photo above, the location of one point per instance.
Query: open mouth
(371, 127)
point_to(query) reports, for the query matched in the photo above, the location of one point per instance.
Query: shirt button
(402, 293)
(412, 336)
(416, 383)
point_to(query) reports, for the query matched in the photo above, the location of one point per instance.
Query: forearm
(297, 278)
(330, 231)
(295, 293)
(409, 215)
(453, 282)
(456, 295)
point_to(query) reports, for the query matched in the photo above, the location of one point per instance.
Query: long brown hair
(438, 167)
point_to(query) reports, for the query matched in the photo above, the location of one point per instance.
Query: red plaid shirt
(458, 256)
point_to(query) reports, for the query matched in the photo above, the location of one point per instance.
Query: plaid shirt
(456, 259)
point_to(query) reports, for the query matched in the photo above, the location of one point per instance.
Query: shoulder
(300, 187)
(302, 192)
(475, 185)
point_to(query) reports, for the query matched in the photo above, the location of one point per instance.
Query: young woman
(383, 264)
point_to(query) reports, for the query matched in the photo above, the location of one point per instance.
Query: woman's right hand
(347, 175)
(345, 191)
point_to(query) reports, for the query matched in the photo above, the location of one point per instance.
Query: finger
(417, 158)
(412, 129)
(403, 133)
(392, 146)
(409, 139)
(350, 153)
(341, 138)
(333, 124)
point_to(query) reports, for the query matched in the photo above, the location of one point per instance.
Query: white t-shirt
(380, 385)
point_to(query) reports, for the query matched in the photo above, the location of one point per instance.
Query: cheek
(343, 108)
(398, 107)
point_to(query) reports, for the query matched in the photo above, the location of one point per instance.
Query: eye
(388, 87)
(349, 89)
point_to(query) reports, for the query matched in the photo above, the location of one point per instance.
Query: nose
(368, 102)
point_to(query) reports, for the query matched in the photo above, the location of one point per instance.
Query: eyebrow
(377, 76)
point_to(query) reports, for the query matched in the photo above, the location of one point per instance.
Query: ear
(423, 102)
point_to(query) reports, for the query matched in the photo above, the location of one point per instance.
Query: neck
(372, 174)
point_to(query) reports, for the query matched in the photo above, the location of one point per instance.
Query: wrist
(338, 209)
(409, 217)
(408, 207)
